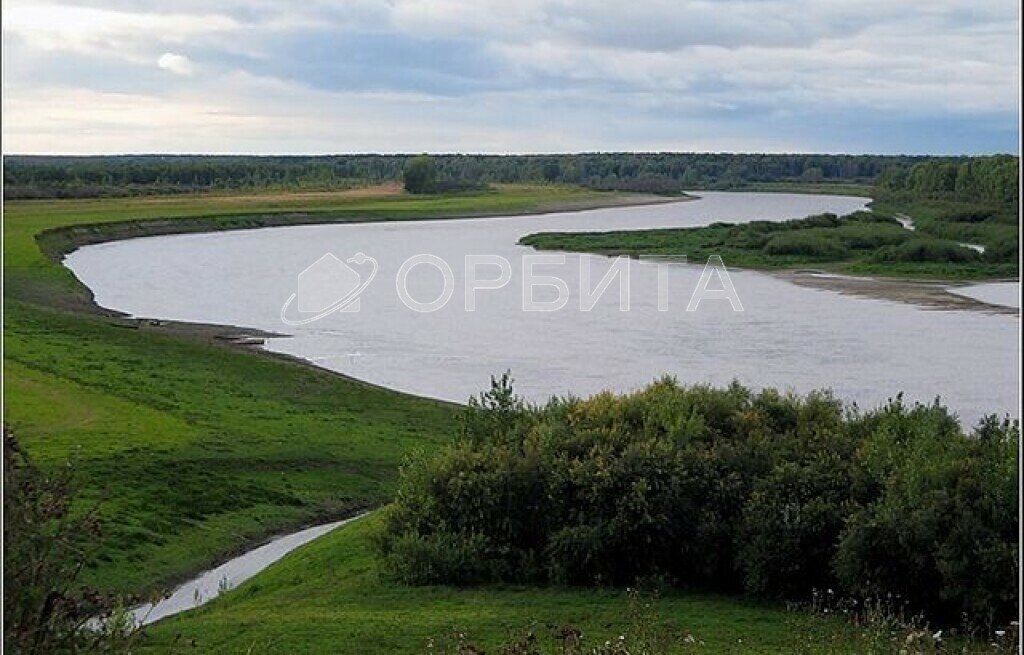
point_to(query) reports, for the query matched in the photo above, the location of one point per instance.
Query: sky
(504, 76)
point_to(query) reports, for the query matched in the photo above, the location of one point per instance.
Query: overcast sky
(320, 76)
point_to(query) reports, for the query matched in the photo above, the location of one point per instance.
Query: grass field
(329, 598)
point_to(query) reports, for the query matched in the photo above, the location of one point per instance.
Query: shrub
(790, 528)
(943, 534)
(927, 250)
(968, 216)
(727, 489)
(816, 245)
(869, 236)
(420, 174)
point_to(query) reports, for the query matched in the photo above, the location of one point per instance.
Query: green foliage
(723, 488)
(809, 245)
(862, 242)
(420, 174)
(332, 597)
(943, 535)
(669, 173)
(927, 250)
(46, 544)
(991, 180)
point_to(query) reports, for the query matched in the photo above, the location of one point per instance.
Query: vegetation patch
(723, 489)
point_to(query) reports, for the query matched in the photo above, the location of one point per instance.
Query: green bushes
(420, 175)
(816, 245)
(726, 489)
(968, 216)
(927, 250)
(943, 535)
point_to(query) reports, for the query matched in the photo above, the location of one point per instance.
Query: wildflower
(937, 636)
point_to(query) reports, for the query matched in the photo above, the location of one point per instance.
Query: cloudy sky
(321, 76)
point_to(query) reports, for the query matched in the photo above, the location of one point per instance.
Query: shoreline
(928, 294)
(57, 243)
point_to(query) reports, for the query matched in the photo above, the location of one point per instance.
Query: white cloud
(94, 30)
(561, 74)
(177, 64)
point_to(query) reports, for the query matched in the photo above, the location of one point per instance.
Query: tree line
(991, 180)
(66, 176)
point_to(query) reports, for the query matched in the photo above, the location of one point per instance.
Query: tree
(420, 174)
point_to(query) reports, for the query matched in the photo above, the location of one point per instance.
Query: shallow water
(788, 336)
(1005, 294)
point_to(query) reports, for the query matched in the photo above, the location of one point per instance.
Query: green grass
(329, 597)
(854, 247)
(193, 449)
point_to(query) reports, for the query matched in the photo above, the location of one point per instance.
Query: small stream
(210, 584)
(908, 224)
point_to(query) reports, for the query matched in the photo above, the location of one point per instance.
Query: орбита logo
(329, 285)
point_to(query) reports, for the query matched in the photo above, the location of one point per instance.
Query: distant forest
(71, 177)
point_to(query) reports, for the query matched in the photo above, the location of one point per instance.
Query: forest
(112, 176)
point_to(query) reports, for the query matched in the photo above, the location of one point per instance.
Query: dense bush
(924, 249)
(968, 216)
(420, 174)
(817, 245)
(860, 236)
(727, 489)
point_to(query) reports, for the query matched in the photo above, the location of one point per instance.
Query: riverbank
(197, 444)
(930, 294)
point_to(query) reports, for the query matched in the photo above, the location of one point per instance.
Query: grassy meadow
(331, 597)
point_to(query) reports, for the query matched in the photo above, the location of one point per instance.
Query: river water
(787, 336)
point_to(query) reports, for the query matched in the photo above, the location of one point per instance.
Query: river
(787, 336)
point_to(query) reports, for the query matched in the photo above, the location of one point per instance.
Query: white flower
(937, 636)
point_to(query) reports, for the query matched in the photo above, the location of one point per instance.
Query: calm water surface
(788, 336)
